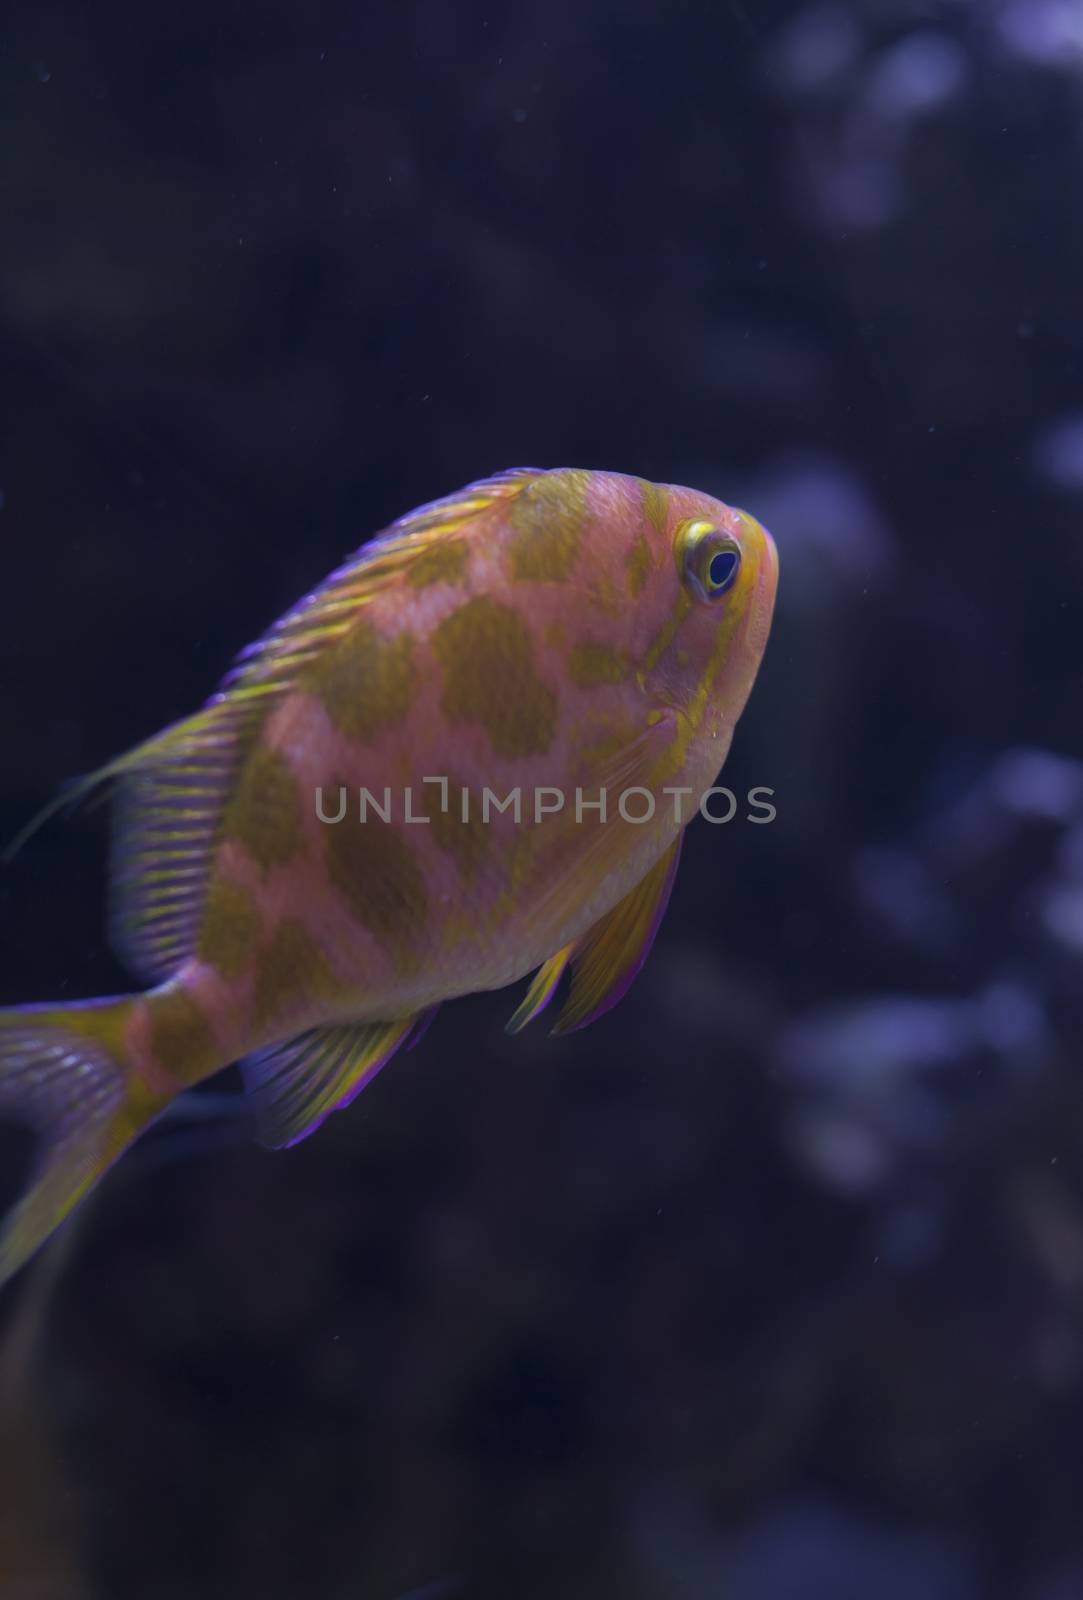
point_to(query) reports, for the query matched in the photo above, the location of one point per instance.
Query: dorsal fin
(298, 637)
(167, 813)
(172, 789)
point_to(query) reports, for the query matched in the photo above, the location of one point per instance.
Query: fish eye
(710, 559)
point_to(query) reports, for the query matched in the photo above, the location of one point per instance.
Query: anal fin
(296, 1085)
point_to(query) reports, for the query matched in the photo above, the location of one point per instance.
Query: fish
(468, 756)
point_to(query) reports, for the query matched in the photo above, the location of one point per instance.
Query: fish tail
(67, 1072)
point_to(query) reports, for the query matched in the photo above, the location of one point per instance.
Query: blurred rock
(1058, 453)
(806, 1549)
(922, 73)
(1047, 32)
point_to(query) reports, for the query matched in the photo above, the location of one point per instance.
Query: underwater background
(769, 1286)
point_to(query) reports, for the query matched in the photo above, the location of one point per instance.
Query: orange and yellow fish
(469, 754)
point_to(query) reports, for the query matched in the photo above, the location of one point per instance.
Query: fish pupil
(722, 569)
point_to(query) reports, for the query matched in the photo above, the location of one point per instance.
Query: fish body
(468, 755)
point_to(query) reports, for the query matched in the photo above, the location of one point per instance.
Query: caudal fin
(63, 1072)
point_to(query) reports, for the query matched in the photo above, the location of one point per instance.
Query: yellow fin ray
(168, 813)
(542, 989)
(169, 796)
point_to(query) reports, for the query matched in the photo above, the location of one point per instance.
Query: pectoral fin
(296, 1085)
(606, 959)
(580, 845)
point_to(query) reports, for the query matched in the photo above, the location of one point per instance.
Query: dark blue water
(770, 1285)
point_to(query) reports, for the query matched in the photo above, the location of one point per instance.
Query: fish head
(718, 597)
